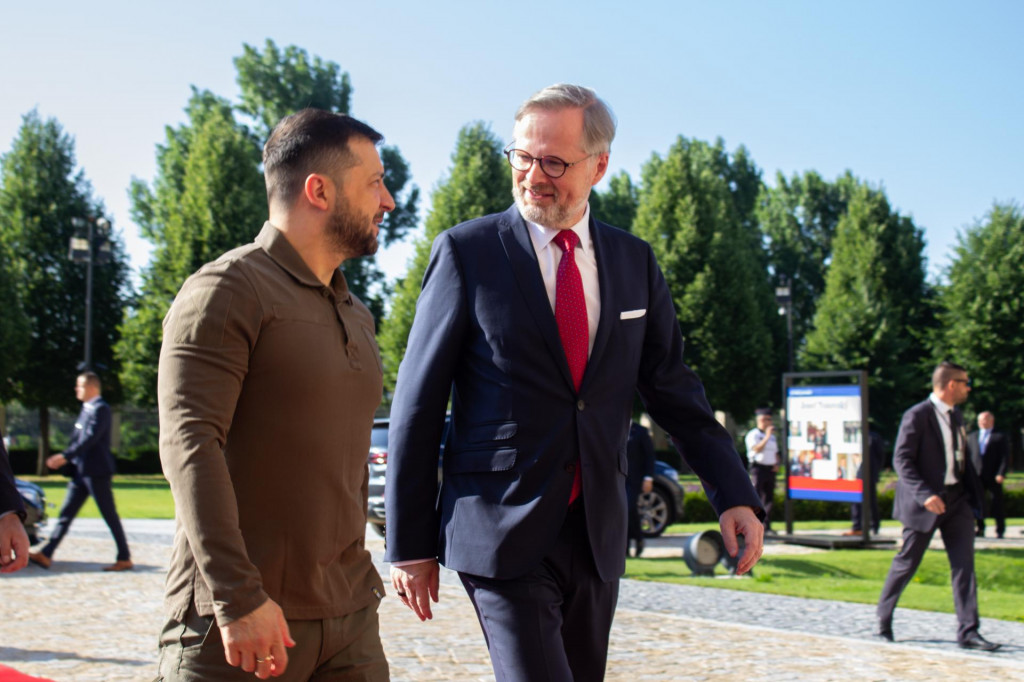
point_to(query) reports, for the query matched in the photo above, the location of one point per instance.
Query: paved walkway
(75, 622)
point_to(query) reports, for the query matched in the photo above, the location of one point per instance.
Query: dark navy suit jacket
(485, 334)
(993, 463)
(919, 458)
(89, 450)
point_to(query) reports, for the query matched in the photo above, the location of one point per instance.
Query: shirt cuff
(410, 562)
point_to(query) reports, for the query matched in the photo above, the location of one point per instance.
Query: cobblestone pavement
(75, 622)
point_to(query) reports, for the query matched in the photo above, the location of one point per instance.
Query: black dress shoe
(884, 631)
(976, 641)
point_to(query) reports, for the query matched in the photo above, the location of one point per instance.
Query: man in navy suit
(937, 489)
(93, 468)
(988, 449)
(13, 539)
(541, 323)
(640, 461)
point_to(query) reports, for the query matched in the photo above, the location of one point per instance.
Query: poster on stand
(824, 443)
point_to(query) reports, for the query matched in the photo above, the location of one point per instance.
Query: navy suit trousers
(957, 528)
(552, 624)
(79, 489)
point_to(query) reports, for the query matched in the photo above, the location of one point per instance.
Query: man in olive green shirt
(269, 378)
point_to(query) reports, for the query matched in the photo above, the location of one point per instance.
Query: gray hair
(598, 119)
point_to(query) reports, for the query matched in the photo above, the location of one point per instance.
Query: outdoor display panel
(824, 443)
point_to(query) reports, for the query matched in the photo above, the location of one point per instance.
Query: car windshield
(379, 437)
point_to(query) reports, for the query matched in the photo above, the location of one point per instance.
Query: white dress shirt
(769, 455)
(942, 410)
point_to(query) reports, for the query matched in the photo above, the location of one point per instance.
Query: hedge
(142, 461)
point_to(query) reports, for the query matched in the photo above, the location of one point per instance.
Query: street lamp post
(93, 249)
(784, 297)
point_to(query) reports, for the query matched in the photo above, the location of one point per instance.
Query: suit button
(570, 467)
(580, 405)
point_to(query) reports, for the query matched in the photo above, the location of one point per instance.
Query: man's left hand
(1000, 479)
(56, 461)
(742, 521)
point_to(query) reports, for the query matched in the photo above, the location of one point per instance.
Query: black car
(659, 508)
(35, 507)
(663, 506)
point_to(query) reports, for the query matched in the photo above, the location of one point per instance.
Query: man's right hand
(13, 544)
(262, 634)
(935, 505)
(416, 584)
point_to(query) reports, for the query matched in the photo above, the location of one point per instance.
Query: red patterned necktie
(571, 316)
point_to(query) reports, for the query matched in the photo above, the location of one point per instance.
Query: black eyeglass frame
(510, 150)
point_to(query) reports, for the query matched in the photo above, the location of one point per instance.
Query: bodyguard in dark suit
(542, 323)
(13, 539)
(937, 489)
(93, 468)
(989, 454)
(640, 478)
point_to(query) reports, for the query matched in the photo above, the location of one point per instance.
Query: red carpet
(12, 675)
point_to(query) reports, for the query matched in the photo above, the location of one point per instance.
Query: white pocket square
(632, 314)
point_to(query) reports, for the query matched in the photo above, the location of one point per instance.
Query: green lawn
(856, 575)
(137, 497)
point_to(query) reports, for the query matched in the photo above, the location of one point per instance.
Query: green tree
(695, 209)
(982, 314)
(799, 218)
(617, 204)
(40, 192)
(208, 197)
(478, 183)
(877, 307)
(14, 332)
(275, 83)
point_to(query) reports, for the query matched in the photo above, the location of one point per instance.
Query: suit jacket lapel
(602, 250)
(515, 238)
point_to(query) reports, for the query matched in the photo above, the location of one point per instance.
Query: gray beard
(555, 217)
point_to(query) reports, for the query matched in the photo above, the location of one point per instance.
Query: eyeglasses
(964, 381)
(552, 166)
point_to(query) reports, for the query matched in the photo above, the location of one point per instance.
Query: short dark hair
(945, 372)
(309, 141)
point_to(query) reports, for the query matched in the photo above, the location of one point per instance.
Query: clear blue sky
(923, 98)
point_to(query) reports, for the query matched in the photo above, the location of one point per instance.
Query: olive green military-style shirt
(267, 388)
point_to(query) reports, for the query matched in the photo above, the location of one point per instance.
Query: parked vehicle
(35, 507)
(663, 506)
(659, 508)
